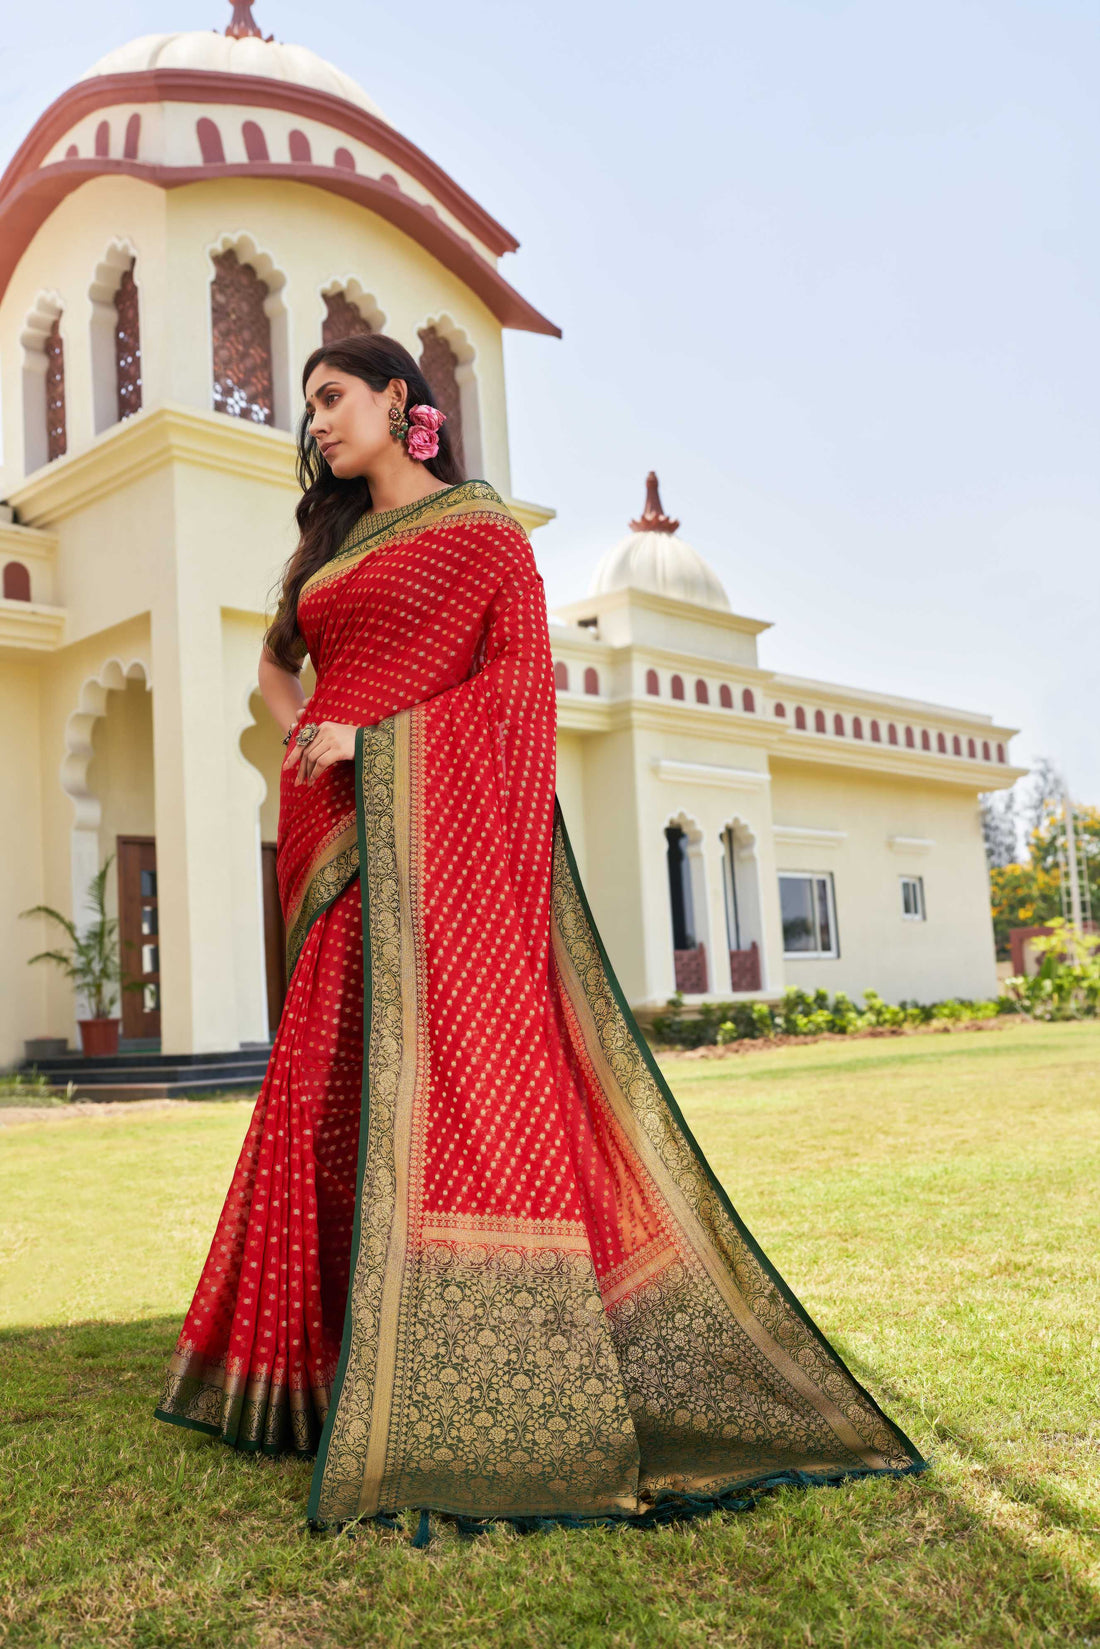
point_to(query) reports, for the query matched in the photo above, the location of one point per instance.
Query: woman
(471, 1254)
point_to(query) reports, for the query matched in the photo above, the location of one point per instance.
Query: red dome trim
(213, 86)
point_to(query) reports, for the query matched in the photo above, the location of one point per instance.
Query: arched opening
(702, 696)
(956, 746)
(115, 338)
(248, 334)
(300, 151)
(447, 360)
(591, 679)
(892, 734)
(725, 696)
(838, 725)
(561, 676)
(344, 159)
(748, 701)
(741, 889)
(108, 773)
(985, 750)
(781, 711)
(103, 140)
(819, 721)
(210, 141)
(652, 683)
(799, 718)
(687, 903)
(857, 727)
(17, 582)
(255, 143)
(925, 739)
(910, 742)
(44, 431)
(677, 687)
(349, 312)
(876, 733)
(132, 141)
(262, 749)
(941, 744)
(1000, 752)
(971, 749)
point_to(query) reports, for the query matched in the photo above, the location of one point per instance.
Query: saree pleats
(472, 1254)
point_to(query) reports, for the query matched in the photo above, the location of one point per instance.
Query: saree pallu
(472, 1254)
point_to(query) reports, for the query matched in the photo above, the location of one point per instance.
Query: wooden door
(274, 939)
(139, 934)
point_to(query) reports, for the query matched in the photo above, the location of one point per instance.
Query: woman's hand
(333, 742)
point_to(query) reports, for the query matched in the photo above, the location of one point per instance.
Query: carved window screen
(243, 376)
(342, 319)
(439, 365)
(127, 345)
(55, 392)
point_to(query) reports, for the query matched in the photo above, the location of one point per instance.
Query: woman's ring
(308, 733)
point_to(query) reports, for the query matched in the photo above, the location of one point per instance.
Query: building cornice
(30, 627)
(146, 442)
(666, 606)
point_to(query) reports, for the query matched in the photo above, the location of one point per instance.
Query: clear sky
(830, 269)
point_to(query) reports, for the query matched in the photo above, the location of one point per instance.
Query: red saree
(471, 1254)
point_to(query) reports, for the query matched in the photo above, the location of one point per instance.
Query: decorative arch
(688, 902)
(652, 683)
(103, 139)
(44, 433)
(300, 151)
(348, 310)
(925, 739)
(985, 751)
(781, 711)
(956, 746)
(115, 337)
(448, 362)
(741, 891)
(941, 744)
(819, 721)
(132, 141)
(876, 733)
(725, 696)
(838, 725)
(17, 582)
(799, 717)
(677, 687)
(892, 734)
(857, 727)
(249, 347)
(971, 749)
(561, 676)
(702, 692)
(210, 141)
(255, 143)
(344, 159)
(748, 701)
(111, 677)
(910, 740)
(591, 679)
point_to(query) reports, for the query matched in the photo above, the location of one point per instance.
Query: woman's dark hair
(329, 507)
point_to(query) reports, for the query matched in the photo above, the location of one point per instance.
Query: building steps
(140, 1073)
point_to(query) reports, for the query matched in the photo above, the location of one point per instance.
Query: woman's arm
(282, 692)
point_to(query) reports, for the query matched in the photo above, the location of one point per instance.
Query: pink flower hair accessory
(422, 440)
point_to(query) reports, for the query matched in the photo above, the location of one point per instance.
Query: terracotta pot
(98, 1036)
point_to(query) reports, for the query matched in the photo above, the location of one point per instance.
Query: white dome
(219, 53)
(663, 563)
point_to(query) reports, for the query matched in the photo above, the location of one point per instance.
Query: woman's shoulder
(493, 535)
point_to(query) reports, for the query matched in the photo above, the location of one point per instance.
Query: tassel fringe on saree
(471, 1255)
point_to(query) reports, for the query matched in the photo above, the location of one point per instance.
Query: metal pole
(1071, 856)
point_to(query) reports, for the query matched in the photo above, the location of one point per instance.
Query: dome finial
(653, 517)
(242, 25)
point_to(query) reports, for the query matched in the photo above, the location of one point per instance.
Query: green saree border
(373, 527)
(670, 1505)
(784, 1289)
(364, 1132)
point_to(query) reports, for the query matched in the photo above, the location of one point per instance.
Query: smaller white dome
(220, 53)
(653, 558)
(663, 563)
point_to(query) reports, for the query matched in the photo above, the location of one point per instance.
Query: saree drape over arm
(528, 1296)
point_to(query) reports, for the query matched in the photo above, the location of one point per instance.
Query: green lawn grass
(932, 1200)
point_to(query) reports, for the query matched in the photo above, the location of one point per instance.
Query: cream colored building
(177, 232)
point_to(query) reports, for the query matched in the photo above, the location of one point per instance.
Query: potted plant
(92, 963)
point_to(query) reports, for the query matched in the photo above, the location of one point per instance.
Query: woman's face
(348, 419)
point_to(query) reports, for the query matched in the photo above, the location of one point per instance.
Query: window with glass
(912, 898)
(807, 908)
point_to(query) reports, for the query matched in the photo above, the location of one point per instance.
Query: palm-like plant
(93, 962)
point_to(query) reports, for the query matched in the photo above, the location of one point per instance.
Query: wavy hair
(330, 507)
